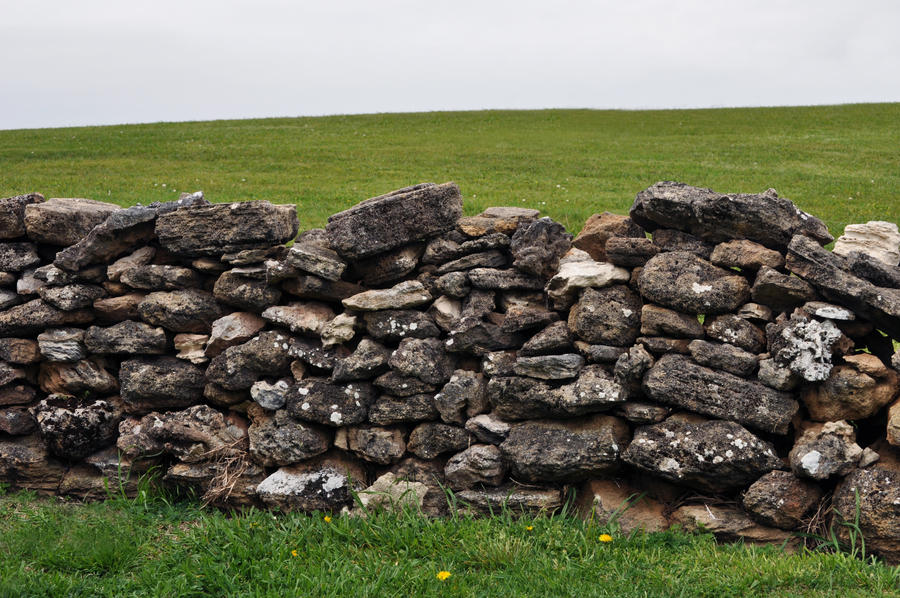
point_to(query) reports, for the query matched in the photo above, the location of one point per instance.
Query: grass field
(840, 163)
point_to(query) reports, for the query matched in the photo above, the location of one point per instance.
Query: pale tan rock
(233, 329)
(301, 317)
(340, 330)
(614, 501)
(410, 293)
(729, 525)
(599, 228)
(878, 239)
(190, 347)
(856, 390)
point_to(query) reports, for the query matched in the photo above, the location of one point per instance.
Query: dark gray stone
(479, 464)
(668, 239)
(429, 440)
(393, 325)
(36, 316)
(537, 246)
(316, 259)
(516, 397)
(160, 383)
(630, 252)
(279, 439)
(555, 338)
(398, 385)
(424, 359)
(389, 410)
(73, 429)
(781, 499)
(187, 310)
(159, 277)
(463, 396)
(608, 316)
(15, 257)
(322, 401)
(453, 284)
(550, 367)
(73, 296)
(780, 291)
(875, 492)
(659, 321)
(12, 214)
(245, 293)
(367, 361)
(487, 428)
(724, 357)
(238, 367)
(128, 337)
(493, 279)
(690, 284)
(736, 331)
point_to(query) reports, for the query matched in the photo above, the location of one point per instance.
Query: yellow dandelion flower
(295, 553)
(443, 575)
(327, 519)
(605, 538)
(529, 528)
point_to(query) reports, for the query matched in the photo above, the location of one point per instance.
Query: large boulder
(64, 222)
(764, 217)
(687, 283)
(218, 229)
(395, 219)
(558, 451)
(712, 456)
(676, 380)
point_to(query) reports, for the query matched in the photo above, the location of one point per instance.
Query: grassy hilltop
(840, 163)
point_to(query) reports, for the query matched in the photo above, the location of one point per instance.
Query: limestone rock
(316, 259)
(616, 502)
(775, 376)
(424, 359)
(279, 439)
(217, 229)
(462, 395)
(339, 330)
(87, 375)
(711, 456)
(160, 383)
(65, 221)
(118, 309)
(389, 410)
(62, 344)
(727, 524)
(394, 325)
(879, 493)
(736, 331)
(74, 429)
(488, 429)
(270, 396)
(556, 451)
(779, 499)
(319, 289)
(824, 450)
(308, 318)
(245, 293)
(659, 321)
(493, 279)
(160, 277)
(550, 367)
(22, 351)
(72, 297)
(128, 337)
(429, 440)
(857, 390)
(377, 444)
(140, 257)
(479, 464)
(725, 357)
(571, 277)
(676, 380)
(599, 228)
(687, 283)
(804, 346)
(398, 385)
(395, 219)
(745, 255)
(190, 347)
(403, 295)
(764, 218)
(239, 366)
(630, 253)
(188, 310)
(629, 371)
(16, 394)
(780, 291)
(367, 361)
(326, 484)
(555, 338)
(609, 316)
(12, 214)
(878, 239)
(639, 412)
(324, 402)
(453, 284)
(537, 246)
(514, 498)
(518, 397)
(233, 329)
(198, 433)
(15, 257)
(668, 239)
(17, 421)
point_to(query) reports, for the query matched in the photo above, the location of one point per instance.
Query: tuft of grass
(838, 162)
(153, 546)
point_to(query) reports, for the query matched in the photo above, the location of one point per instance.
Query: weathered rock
(723, 357)
(389, 410)
(87, 375)
(676, 380)
(512, 498)
(16, 394)
(775, 376)
(12, 214)
(873, 270)
(462, 396)
(74, 429)
(9, 373)
(312, 353)
(827, 273)
(387, 267)
(245, 293)
(339, 330)
(429, 440)
(755, 312)
(599, 353)
(403, 295)
(659, 321)
(857, 390)
(395, 219)
(139, 257)
(893, 424)
(878, 492)
(779, 499)
(15, 257)
(616, 502)
(198, 433)
(480, 464)
(17, 421)
(232, 330)
(824, 450)
(556, 451)
(118, 309)
(308, 318)
(72, 297)
(313, 287)
(550, 367)
(764, 218)
(424, 359)
(736, 331)
(728, 524)
(398, 385)
(160, 277)
(376, 444)
(638, 412)
(368, 361)
(668, 239)
(222, 397)
(394, 325)
(517, 398)
(711, 456)
(521, 318)
(391, 493)
(188, 310)
(207, 479)
(599, 228)
(689, 284)
(279, 439)
(270, 396)
(555, 338)
(65, 221)
(190, 347)
(128, 337)
(8, 298)
(492, 279)
(609, 316)
(217, 229)
(24, 461)
(828, 311)
(662, 345)
(160, 383)
(537, 246)
(482, 259)
(238, 367)
(316, 259)
(62, 344)
(325, 484)
(453, 284)
(573, 276)
(629, 371)
(804, 345)
(630, 253)
(487, 428)
(745, 255)
(22, 351)
(878, 239)
(324, 402)
(780, 291)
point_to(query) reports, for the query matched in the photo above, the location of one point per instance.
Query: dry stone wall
(405, 349)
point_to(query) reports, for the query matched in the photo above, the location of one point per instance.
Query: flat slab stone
(676, 380)
(61, 221)
(878, 239)
(388, 221)
(764, 217)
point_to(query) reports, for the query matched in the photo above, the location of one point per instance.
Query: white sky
(81, 62)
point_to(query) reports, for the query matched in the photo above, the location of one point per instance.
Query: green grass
(568, 163)
(153, 547)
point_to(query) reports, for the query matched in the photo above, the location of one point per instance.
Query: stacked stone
(412, 349)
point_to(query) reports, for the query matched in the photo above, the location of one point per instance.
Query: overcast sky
(81, 62)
